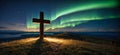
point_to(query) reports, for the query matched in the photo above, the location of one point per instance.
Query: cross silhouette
(41, 21)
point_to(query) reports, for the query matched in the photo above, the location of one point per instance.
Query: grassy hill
(56, 45)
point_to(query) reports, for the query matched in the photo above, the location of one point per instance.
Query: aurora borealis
(65, 15)
(72, 13)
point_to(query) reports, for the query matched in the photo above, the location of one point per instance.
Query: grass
(56, 46)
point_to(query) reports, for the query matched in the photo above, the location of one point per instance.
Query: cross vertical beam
(41, 25)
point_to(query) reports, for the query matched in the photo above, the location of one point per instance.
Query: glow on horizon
(72, 24)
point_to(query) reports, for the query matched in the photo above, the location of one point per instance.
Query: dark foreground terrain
(61, 44)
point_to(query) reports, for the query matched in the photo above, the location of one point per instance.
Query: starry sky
(65, 15)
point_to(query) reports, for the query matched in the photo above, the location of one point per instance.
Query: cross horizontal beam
(39, 20)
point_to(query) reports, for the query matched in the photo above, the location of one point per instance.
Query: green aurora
(72, 14)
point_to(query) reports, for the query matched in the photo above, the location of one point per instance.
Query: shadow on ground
(42, 47)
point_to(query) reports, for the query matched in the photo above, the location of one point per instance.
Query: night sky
(65, 15)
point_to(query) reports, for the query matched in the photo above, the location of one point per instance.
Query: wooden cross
(41, 21)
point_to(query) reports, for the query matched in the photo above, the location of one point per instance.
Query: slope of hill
(56, 46)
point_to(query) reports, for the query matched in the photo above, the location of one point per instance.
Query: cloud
(3, 27)
(17, 24)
